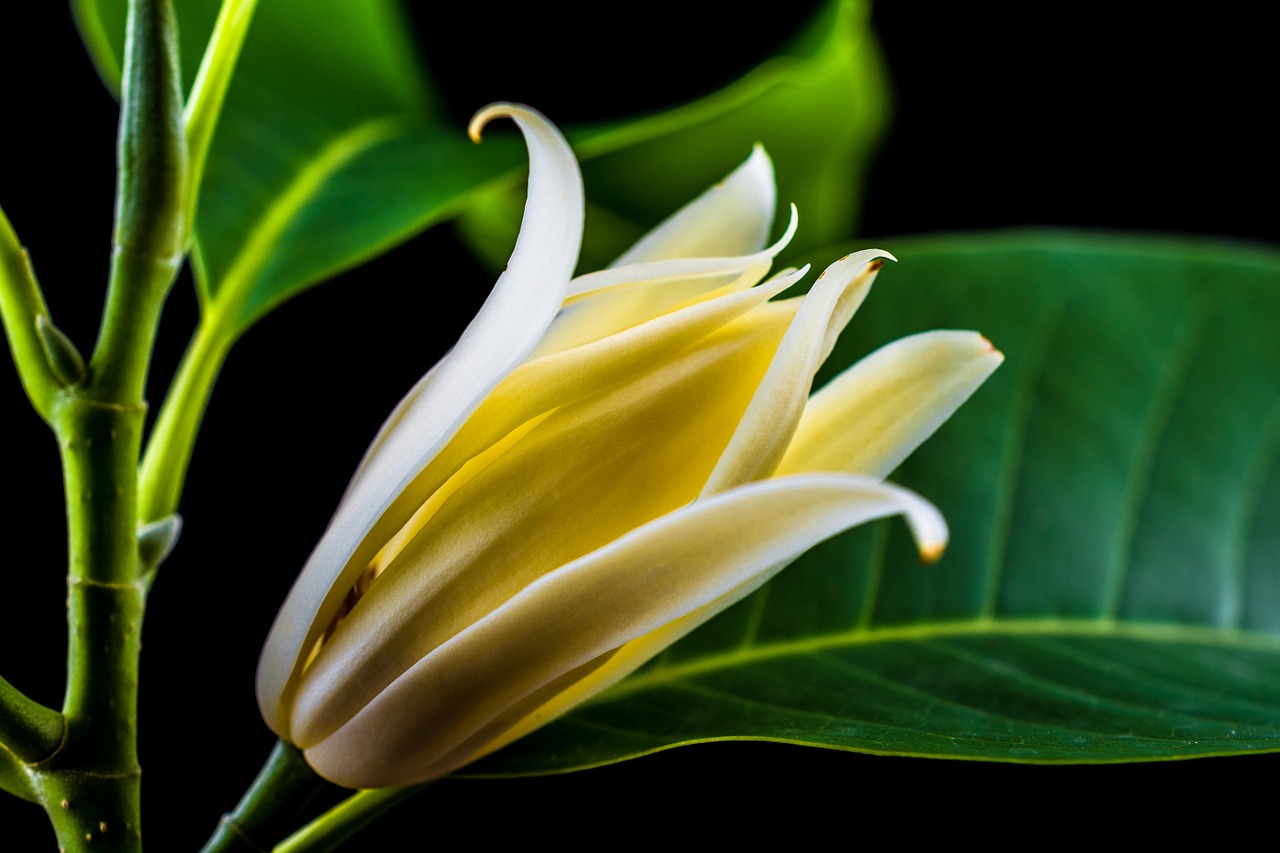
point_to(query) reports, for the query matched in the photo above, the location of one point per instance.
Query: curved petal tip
(500, 109)
(931, 552)
(880, 256)
(792, 224)
(851, 265)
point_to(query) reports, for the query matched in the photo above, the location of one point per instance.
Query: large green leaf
(328, 149)
(332, 146)
(1112, 589)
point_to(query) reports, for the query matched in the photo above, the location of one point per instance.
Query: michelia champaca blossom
(599, 465)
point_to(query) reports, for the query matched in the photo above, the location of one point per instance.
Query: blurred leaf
(332, 147)
(819, 107)
(1112, 589)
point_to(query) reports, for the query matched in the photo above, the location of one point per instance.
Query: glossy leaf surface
(1112, 589)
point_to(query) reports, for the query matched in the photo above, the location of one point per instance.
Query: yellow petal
(874, 414)
(584, 475)
(523, 303)
(571, 621)
(540, 385)
(769, 422)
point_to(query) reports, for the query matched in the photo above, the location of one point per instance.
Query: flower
(598, 466)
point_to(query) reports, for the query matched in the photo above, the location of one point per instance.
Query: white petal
(769, 422)
(701, 266)
(569, 619)
(731, 218)
(874, 414)
(514, 317)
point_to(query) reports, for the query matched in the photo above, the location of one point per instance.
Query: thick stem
(92, 780)
(21, 304)
(92, 812)
(90, 786)
(270, 808)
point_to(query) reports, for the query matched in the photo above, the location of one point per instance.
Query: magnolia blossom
(599, 465)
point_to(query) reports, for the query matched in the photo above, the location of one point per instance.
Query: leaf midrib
(1118, 707)
(1152, 632)
(230, 293)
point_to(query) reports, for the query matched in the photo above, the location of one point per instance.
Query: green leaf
(325, 152)
(1112, 589)
(332, 147)
(637, 172)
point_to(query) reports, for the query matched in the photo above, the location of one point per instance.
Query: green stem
(270, 808)
(331, 829)
(150, 200)
(122, 356)
(92, 812)
(152, 154)
(92, 780)
(28, 729)
(21, 303)
(169, 448)
(90, 787)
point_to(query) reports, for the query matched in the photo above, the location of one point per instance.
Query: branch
(327, 832)
(28, 729)
(270, 808)
(21, 306)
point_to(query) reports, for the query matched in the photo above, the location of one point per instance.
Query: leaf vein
(1021, 405)
(1171, 381)
(1130, 674)
(1249, 518)
(1090, 699)
(246, 266)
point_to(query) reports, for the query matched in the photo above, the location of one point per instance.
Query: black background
(1035, 118)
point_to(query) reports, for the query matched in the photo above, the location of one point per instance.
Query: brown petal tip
(932, 552)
